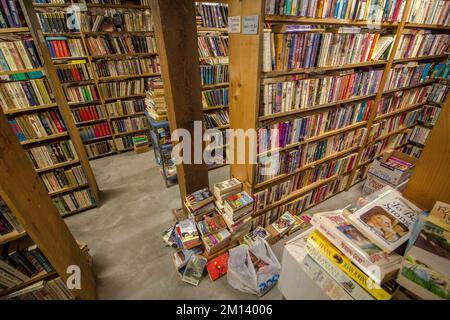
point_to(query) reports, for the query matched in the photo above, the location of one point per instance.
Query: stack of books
(140, 143)
(155, 101)
(280, 227)
(199, 203)
(360, 248)
(237, 214)
(425, 269)
(188, 234)
(225, 189)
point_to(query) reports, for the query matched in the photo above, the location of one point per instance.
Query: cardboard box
(391, 175)
(373, 183)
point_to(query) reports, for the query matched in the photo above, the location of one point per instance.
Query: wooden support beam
(24, 193)
(430, 181)
(245, 69)
(176, 37)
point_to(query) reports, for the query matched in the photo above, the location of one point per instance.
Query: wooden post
(59, 94)
(176, 37)
(245, 69)
(430, 181)
(24, 193)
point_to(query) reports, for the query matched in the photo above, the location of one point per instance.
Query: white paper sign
(251, 24)
(234, 24)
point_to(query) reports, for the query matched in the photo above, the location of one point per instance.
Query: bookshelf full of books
(105, 54)
(38, 118)
(328, 86)
(212, 27)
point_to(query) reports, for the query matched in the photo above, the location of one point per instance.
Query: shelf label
(251, 24)
(234, 24)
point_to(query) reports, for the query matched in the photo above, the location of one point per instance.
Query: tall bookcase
(253, 84)
(118, 115)
(57, 154)
(25, 203)
(212, 21)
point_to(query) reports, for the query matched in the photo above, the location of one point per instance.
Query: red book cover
(57, 48)
(64, 48)
(89, 115)
(104, 129)
(94, 93)
(56, 121)
(82, 115)
(93, 112)
(218, 267)
(107, 128)
(96, 133)
(100, 130)
(78, 74)
(74, 74)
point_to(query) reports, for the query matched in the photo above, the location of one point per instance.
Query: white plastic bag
(242, 274)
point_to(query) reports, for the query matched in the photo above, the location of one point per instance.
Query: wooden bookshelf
(97, 80)
(58, 103)
(247, 80)
(24, 194)
(201, 30)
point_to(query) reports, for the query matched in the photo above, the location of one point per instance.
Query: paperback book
(387, 221)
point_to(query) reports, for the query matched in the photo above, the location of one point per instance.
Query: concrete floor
(124, 233)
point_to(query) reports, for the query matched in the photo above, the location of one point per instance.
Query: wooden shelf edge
(38, 277)
(11, 236)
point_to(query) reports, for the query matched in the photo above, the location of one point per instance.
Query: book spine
(317, 241)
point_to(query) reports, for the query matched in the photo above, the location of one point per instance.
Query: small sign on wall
(251, 24)
(234, 24)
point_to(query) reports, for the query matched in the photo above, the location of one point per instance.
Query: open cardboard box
(393, 176)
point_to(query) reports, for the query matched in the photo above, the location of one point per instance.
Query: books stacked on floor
(155, 100)
(225, 189)
(361, 247)
(280, 227)
(392, 168)
(188, 234)
(237, 213)
(425, 268)
(140, 143)
(43, 290)
(200, 203)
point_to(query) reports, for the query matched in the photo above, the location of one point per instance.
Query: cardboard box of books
(393, 167)
(373, 183)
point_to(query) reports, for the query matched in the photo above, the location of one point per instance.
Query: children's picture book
(387, 221)
(194, 269)
(218, 267)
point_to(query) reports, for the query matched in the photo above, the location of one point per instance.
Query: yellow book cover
(345, 264)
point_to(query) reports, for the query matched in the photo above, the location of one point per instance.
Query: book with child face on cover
(387, 221)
